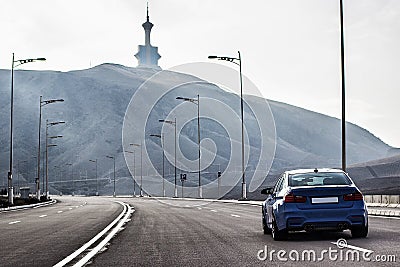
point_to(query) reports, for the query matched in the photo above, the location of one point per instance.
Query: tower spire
(148, 55)
(148, 11)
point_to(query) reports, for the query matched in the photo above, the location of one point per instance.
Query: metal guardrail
(383, 200)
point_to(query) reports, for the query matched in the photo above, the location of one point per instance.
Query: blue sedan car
(314, 200)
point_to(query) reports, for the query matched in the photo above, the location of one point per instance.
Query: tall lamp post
(163, 177)
(141, 167)
(134, 171)
(238, 61)
(196, 102)
(97, 184)
(173, 123)
(57, 174)
(41, 104)
(72, 177)
(15, 63)
(19, 161)
(113, 158)
(48, 124)
(343, 89)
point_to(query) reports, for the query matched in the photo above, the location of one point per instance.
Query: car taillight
(291, 198)
(353, 197)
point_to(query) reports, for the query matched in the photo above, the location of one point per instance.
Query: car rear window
(318, 179)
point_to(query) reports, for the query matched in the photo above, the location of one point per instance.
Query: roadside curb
(383, 205)
(22, 207)
(387, 213)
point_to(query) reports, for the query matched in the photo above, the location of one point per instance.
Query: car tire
(267, 231)
(359, 231)
(278, 235)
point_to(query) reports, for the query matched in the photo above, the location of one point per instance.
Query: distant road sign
(183, 176)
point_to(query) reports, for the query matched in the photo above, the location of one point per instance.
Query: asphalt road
(44, 236)
(173, 232)
(190, 233)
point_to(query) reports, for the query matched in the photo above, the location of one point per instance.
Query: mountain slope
(95, 103)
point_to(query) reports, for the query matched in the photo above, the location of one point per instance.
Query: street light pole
(161, 136)
(134, 171)
(173, 123)
(343, 89)
(13, 65)
(196, 102)
(18, 175)
(97, 184)
(141, 167)
(41, 104)
(113, 157)
(238, 61)
(48, 124)
(72, 178)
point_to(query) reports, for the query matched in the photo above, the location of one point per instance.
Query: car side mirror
(267, 191)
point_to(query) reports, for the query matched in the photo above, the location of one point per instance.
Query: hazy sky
(290, 48)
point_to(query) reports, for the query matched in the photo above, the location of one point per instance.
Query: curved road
(44, 236)
(189, 233)
(173, 232)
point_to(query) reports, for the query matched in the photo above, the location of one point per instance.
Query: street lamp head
(192, 100)
(46, 102)
(167, 121)
(54, 100)
(56, 136)
(230, 59)
(56, 122)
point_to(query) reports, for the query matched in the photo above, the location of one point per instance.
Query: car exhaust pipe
(309, 228)
(342, 226)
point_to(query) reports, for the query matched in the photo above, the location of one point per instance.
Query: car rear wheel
(359, 231)
(277, 234)
(267, 230)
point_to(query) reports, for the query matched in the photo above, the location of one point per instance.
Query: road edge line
(91, 241)
(111, 235)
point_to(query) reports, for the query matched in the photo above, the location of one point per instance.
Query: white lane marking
(213, 210)
(234, 215)
(14, 222)
(42, 216)
(384, 217)
(127, 211)
(60, 211)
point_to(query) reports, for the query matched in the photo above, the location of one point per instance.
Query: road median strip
(23, 207)
(94, 246)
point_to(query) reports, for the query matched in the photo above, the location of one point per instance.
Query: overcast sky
(290, 48)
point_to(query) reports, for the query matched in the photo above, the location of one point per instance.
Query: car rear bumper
(332, 219)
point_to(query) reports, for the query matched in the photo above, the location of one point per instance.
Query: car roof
(323, 170)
